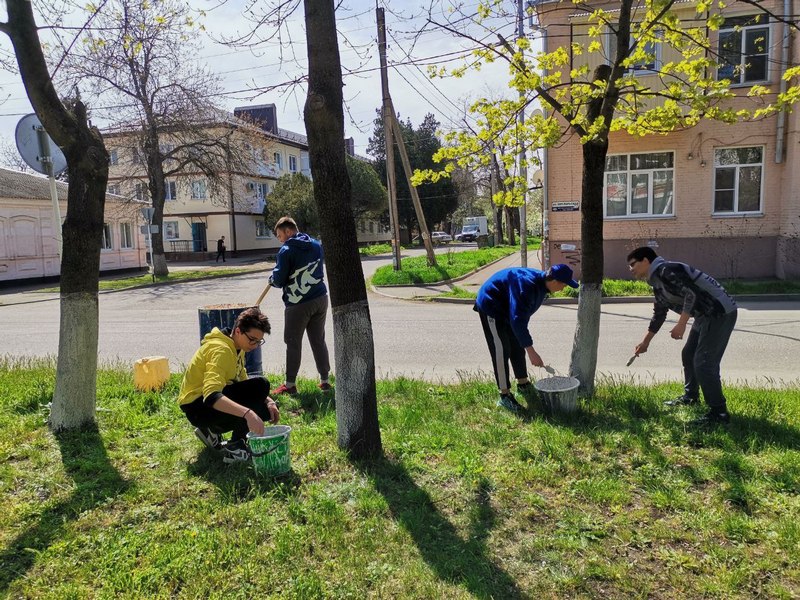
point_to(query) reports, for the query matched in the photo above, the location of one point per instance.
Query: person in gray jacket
(692, 294)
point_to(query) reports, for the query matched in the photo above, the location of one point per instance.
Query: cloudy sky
(243, 72)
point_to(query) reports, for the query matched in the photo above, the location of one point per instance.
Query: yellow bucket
(150, 373)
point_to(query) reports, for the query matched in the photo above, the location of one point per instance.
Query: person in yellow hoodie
(216, 395)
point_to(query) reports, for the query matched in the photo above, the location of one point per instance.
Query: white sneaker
(235, 451)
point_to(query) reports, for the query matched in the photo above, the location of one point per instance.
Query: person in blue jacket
(299, 272)
(505, 303)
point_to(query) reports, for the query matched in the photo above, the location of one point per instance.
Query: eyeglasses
(633, 262)
(253, 340)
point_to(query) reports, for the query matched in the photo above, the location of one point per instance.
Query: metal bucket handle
(285, 436)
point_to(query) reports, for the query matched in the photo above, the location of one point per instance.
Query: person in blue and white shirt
(299, 272)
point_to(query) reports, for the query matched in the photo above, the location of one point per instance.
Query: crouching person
(216, 395)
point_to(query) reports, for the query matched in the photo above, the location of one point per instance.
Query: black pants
(222, 254)
(251, 393)
(504, 347)
(701, 357)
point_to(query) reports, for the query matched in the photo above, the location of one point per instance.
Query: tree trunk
(356, 402)
(156, 186)
(587, 333)
(498, 224)
(87, 164)
(509, 225)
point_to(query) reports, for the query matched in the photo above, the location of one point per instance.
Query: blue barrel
(214, 316)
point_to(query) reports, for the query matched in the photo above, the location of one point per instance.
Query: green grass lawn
(623, 500)
(450, 264)
(175, 276)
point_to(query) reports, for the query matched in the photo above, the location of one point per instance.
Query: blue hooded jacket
(513, 295)
(299, 270)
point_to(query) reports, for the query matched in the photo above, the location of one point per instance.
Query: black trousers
(504, 348)
(251, 393)
(702, 355)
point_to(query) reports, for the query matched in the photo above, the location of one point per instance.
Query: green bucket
(270, 451)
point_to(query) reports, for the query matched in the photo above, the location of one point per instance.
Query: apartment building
(28, 246)
(723, 197)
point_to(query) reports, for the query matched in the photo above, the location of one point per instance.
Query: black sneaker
(683, 400)
(209, 438)
(510, 403)
(712, 417)
(235, 451)
(525, 388)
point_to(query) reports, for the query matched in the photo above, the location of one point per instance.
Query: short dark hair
(643, 252)
(252, 318)
(285, 223)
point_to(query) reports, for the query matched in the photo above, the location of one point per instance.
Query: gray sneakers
(235, 451)
(212, 440)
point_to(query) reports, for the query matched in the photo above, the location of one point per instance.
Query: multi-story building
(723, 197)
(28, 241)
(198, 211)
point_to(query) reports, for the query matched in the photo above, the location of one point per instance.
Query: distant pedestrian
(692, 294)
(221, 249)
(299, 272)
(216, 395)
(505, 303)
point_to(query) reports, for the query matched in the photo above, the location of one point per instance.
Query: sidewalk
(470, 282)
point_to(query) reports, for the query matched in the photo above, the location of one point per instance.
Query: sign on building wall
(564, 206)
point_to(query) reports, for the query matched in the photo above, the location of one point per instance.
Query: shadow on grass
(239, 482)
(453, 558)
(95, 481)
(316, 403)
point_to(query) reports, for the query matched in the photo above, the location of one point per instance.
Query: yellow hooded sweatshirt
(215, 365)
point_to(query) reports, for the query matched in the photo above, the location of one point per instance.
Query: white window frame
(113, 188)
(277, 159)
(732, 26)
(263, 232)
(629, 174)
(140, 191)
(126, 236)
(738, 167)
(171, 230)
(292, 163)
(113, 157)
(262, 190)
(611, 46)
(107, 241)
(170, 191)
(199, 189)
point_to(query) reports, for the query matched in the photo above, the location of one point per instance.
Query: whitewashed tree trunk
(160, 265)
(355, 369)
(76, 375)
(583, 364)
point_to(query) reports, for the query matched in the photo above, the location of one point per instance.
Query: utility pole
(523, 169)
(388, 118)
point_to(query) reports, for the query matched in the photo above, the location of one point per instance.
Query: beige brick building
(725, 198)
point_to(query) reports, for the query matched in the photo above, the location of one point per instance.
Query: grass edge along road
(620, 500)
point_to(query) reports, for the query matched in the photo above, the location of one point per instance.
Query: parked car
(440, 237)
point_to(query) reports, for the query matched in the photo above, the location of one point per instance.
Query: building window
(113, 157)
(198, 190)
(262, 190)
(262, 231)
(107, 242)
(737, 179)
(292, 164)
(170, 190)
(744, 49)
(113, 189)
(125, 236)
(650, 62)
(639, 185)
(140, 192)
(171, 230)
(277, 158)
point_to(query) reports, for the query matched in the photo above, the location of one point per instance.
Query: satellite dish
(537, 113)
(538, 177)
(36, 147)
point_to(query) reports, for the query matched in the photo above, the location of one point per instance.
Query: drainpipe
(545, 187)
(780, 134)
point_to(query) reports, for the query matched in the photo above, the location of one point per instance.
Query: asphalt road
(434, 341)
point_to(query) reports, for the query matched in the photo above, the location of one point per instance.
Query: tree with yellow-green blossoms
(700, 83)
